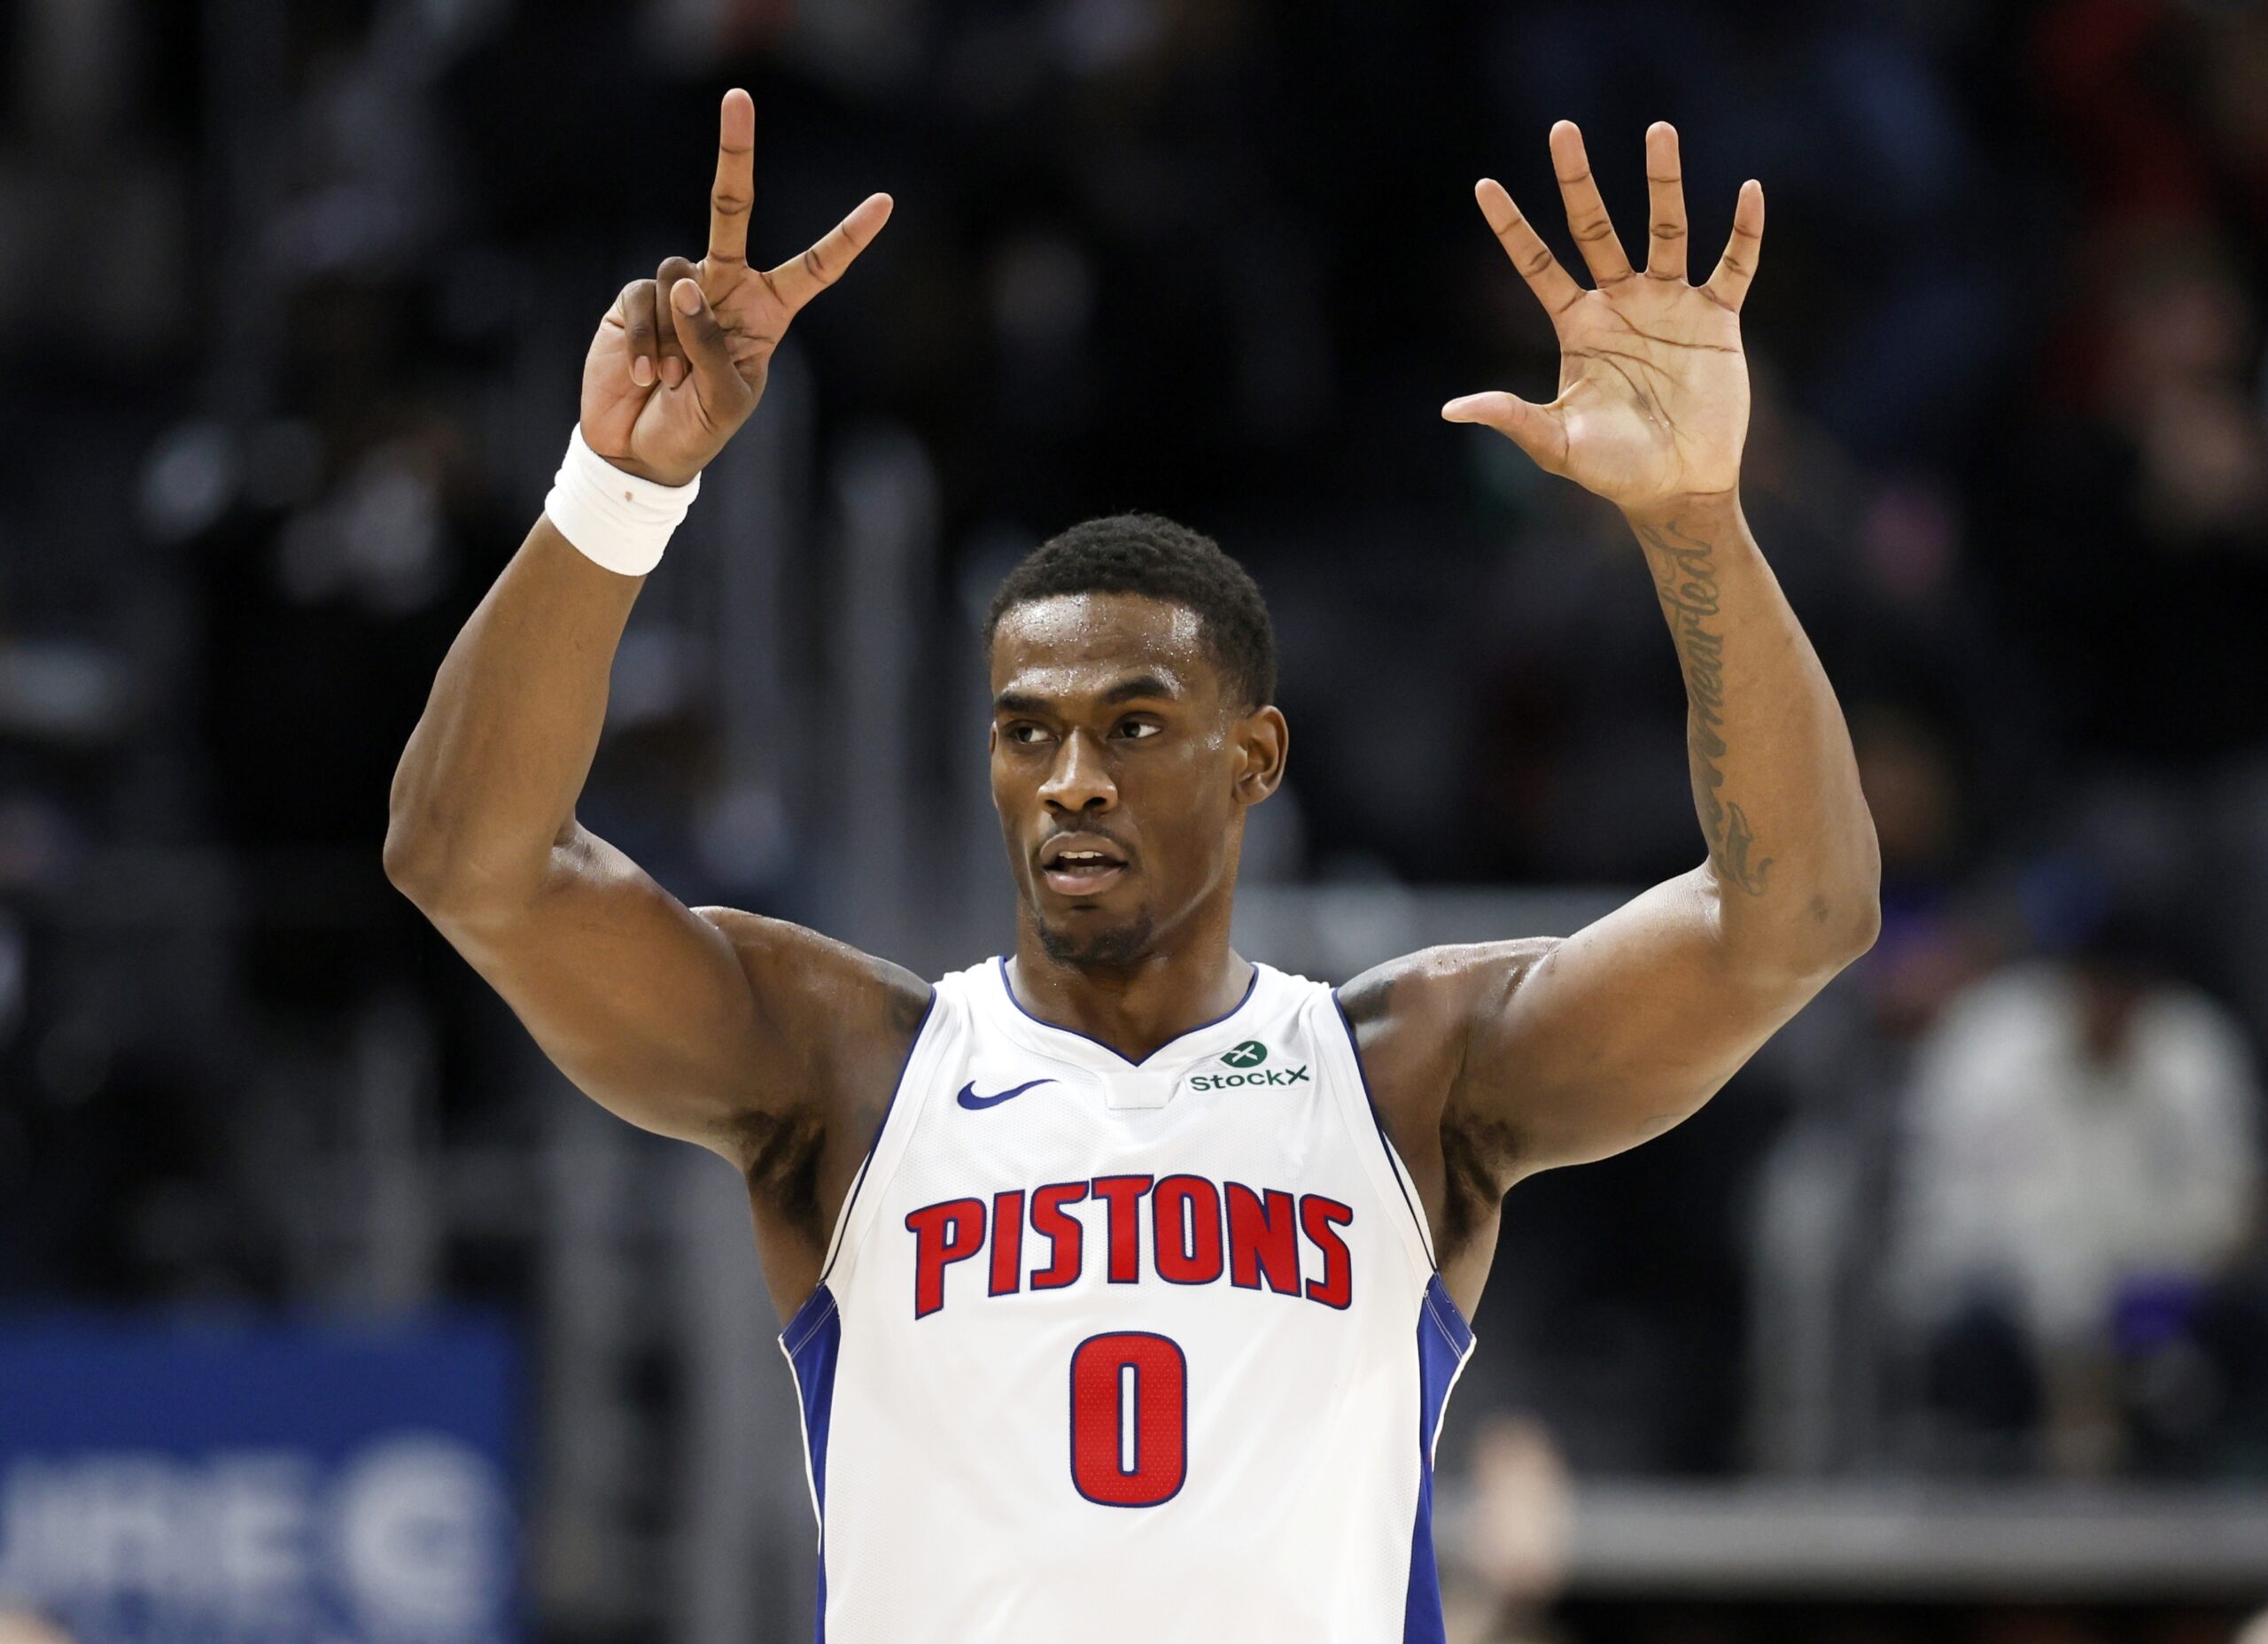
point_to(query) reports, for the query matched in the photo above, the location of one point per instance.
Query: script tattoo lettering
(1685, 579)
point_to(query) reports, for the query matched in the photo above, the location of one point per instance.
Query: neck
(1133, 1008)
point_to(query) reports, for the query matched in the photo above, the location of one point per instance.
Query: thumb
(722, 388)
(1535, 428)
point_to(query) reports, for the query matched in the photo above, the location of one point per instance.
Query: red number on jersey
(1129, 1377)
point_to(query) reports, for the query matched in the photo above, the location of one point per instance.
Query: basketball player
(1125, 1279)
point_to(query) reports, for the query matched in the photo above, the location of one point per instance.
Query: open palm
(1653, 386)
(680, 360)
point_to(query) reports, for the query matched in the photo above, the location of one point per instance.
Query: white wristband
(616, 519)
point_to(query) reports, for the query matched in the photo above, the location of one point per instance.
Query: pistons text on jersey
(1199, 1231)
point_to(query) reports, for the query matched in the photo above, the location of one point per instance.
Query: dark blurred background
(1948, 1319)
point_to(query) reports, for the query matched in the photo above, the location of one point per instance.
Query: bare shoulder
(1413, 1019)
(1412, 1014)
(807, 971)
(845, 1022)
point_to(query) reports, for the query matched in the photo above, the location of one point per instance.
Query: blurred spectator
(2008, 455)
(2080, 1165)
(1513, 1562)
(21, 1626)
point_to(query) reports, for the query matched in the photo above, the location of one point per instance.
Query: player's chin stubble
(1119, 945)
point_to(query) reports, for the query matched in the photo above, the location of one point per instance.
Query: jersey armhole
(1420, 1236)
(889, 1145)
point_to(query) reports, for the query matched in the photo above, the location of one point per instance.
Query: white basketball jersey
(1124, 1352)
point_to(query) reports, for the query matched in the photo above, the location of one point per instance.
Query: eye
(1024, 731)
(1137, 730)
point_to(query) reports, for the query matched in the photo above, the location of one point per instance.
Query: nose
(1079, 780)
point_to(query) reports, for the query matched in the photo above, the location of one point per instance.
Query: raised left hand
(1653, 386)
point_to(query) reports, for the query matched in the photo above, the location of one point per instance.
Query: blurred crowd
(291, 300)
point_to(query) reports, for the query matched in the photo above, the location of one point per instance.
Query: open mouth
(1080, 864)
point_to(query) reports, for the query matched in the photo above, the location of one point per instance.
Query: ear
(1264, 745)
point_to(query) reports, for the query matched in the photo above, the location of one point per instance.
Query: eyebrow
(1140, 685)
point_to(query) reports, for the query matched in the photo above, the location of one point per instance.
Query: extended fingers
(734, 189)
(1554, 287)
(1539, 430)
(1738, 266)
(1586, 218)
(797, 281)
(1665, 204)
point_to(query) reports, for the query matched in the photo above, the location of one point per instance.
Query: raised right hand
(680, 360)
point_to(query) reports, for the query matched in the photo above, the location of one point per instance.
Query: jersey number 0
(1129, 1418)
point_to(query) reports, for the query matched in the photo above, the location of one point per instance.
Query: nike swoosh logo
(968, 1096)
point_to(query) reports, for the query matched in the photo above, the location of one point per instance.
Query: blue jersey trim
(1250, 987)
(1444, 1342)
(1393, 1159)
(814, 1341)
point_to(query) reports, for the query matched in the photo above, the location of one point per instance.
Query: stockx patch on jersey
(1126, 1350)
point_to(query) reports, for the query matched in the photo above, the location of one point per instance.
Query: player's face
(1120, 770)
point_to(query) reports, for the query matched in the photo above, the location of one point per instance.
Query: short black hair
(1148, 555)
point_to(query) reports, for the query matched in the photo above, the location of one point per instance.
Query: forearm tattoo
(1685, 581)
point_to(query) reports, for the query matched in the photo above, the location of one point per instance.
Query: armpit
(1479, 1157)
(782, 1153)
